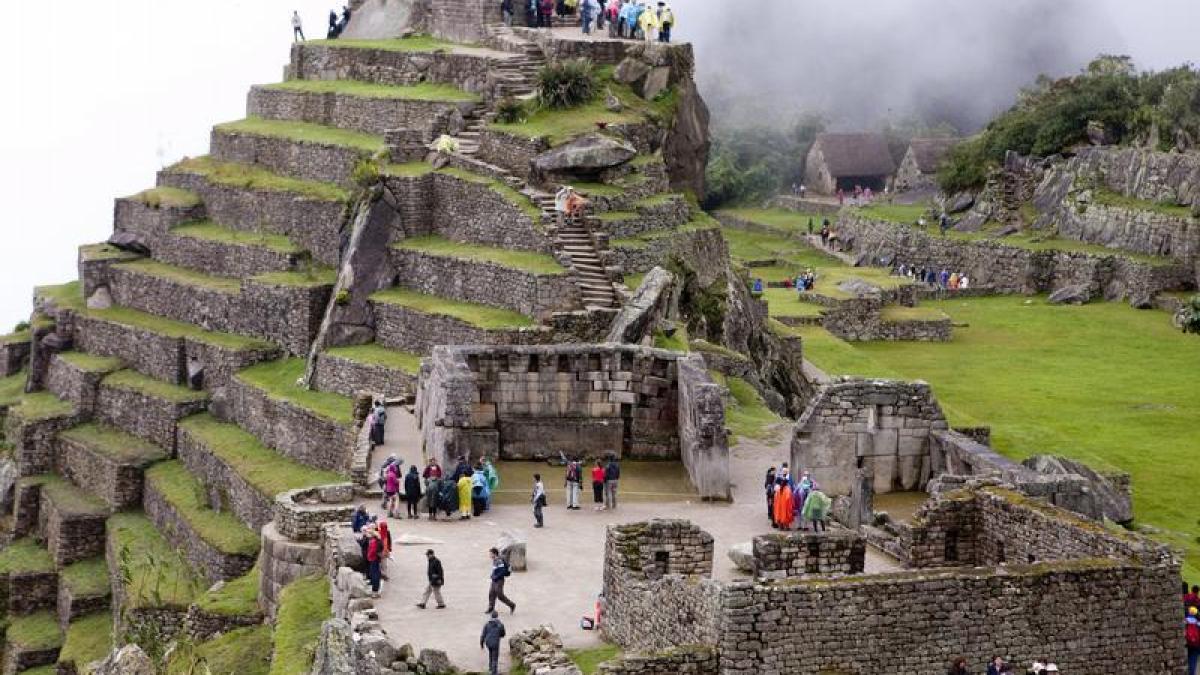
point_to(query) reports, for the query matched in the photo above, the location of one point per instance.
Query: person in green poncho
(493, 480)
(816, 508)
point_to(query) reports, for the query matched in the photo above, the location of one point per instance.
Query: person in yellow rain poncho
(666, 21)
(464, 497)
(648, 22)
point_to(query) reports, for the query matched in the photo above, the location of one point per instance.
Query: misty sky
(103, 93)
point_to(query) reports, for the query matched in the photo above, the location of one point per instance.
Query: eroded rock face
(586, 154)
(1075, 294)
(335, 650)
(742, 556)
(1111, 491)
(648, 305)
(686, 149)
(128, 660)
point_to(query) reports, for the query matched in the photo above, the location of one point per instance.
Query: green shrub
(566, 84)
(510, 111)
(21, 326)
(366, 173)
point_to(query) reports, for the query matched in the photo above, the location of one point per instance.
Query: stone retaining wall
(71, 383)
(145, 416)
(282, 561)
(27, 592)
(151, 222)
(286, 314)
(201, 625)
(537, 295)
(651, 218)
(346, 377)
(71, 606)
(293, 431)
(13, 357)
(323, 162)
(69, 537)
(382, 66)
(601, 52)
(33, 441)
(409, 330)
(700, 247)
(360, 113)
(703, 440)
(511, 152)
(685, 660)
(233, 493)
(116, 484)
(463, 210)
(213, 564)
(797, 554)
(141, 624)
(18, 658)
(314, 225)
(207, 307)
(223, 259)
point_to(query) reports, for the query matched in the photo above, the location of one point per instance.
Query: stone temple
(184, 437)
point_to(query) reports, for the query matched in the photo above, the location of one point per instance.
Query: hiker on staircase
(569, 204)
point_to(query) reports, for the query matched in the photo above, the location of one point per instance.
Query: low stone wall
(71, 383)
(511, 152)
(145, 416)
(33, 441)
(657, 217)
(369, 115)
(601, 52)
(347, 377)
(537, 295)
(408, 330)
(312, 224)
(701, 246)
(27, 500)
(201, 625)
(71, 606)
(324, 162)
(249, 505)
(212, 563)
(117, 484)
(382, 66)
(301, 514)
(131, 214)
(797, 554)
(295, 432)
(541, 650)
(18, 658)
(13, 357)
(463, 210)
(220, 258)
(69, 536)
(933, 330)
(703, 440)
(685, 660)
(207, 307)
(282, 561)
(141, 624)
(27, 592)
(814, 206)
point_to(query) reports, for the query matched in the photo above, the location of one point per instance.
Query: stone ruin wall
(582, 400)
(861, 319)
(797, 554)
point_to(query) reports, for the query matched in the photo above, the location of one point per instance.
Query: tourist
(493, 632)
(433, 489)
(436, 577)
(996, 666)
(587, 14)
(964, 282)
(612, 476)
(953, 283)
(461, 469)
(391, 490)
(613, 10)
(384, 470)
(479, 490)
(332, 33)
(538, 499)
(944, 278)
(648, 22)
(944, 223)
(601, 14)
(1191, 630)
(1191, 599)
(666, 21)
(493, 481)
(464, 485)
(816, 508)
(598, 486)
(500, 573)
(800, 496)
(359, 519)
(546, 14)
(573, 481)
(374, 556)
(635, 19)
(757, 289)
(412, 491)
(506, 11)
(378, 424)
(769, 487)
(531, 13)
(385, 539)
(297, 27)
(958, 667)
(803, 187)
(784, 507)
(345, 18)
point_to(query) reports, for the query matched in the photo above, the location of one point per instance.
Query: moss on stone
(304, 132)
(480, 316)
(267, 471)
(25, 556)
(257, 178)
(88, 639)
(220, 529)
(589, 659)
(524, 261)
(747, 415)
(91, 363)
(35, 632)
(183, 275)
(426, 91)
(118, 445)
(279, 380)
(710, 348)
(167, 197)
(152, 572)
(86, 578)
(376, 355)
(131, 380)
(16, 337)
(207, 230)
(303, 607)
(238, 597)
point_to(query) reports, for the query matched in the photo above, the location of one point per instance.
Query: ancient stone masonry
(410, 330)
(214, 564)
(307, 160)
(348, 377)
(583, 400)
(687, 660)
(14, 354)
(369, 115)
(540, 650)
(143, 414)
(135, 216)
(292, 430)
(390, 67)
(796, 554)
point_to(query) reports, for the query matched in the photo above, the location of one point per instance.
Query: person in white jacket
(297, 27)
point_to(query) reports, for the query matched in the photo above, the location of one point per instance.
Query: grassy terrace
(525, 261)
(94, 252)
(304, 132)
(426, 91)
(122, 447)
(209, 231)
(900, 314)
(35, 632)
(238, 597)
(153, 573)
(40, 406)
(1033, 373)
(501, 188)
(16, 337)
(783, 220)
(1106, 197)
(182, 275)
(131, 380)
(906, 214)
(264, 469)
(794, 253)
(88, 639)
(785, 302)
(23, 556)
(309, 278)
(70, 499)
(303, 606)
(167, 198)
(86, 578)
(700, 221)
(278, 380)
(480, 316)
(414, 43)
(12, 388)
(408, 169)
(747, 414)
(379, 356)
(246, 651)
(91, 363)
(256, 178)
(220, 529)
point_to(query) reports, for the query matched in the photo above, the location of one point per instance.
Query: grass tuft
(220, 529)
(183, 275)
(86, 578)
(91, 363)
(238, 597)
(70, 499)
(245, 651)
(12, 388)
(121, 447)
(152, 572)
(412, 43)
(41, 406)
(167, 198)
(747, 415)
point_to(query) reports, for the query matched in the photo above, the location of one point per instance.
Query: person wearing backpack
(377, 424)
(391, 490)
(493, 633)
(574, 484)
(612, 476)
(412, 491)
(500, 573)
(1191, 632)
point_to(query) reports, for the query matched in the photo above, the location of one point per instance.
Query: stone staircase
(576, 240)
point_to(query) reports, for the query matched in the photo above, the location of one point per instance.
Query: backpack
(1192, 633)
(507, 571)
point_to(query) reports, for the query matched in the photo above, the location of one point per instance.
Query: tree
(1188, 316)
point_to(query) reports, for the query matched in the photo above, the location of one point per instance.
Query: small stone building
(842, 161)
(918, 170)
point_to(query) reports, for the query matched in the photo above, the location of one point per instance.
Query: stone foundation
(282, 561)
(210, 562)
(797, 554)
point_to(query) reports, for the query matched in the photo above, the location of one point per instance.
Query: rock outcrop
(648, 306)
(1111, 491)
(587, 154)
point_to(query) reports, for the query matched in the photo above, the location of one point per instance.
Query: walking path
(565, 557)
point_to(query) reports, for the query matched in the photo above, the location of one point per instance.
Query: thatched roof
(856, 154)
(929, 152)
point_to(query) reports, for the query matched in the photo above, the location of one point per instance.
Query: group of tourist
(792, 501)
(944, 279)
(861, 196)
(336, 24)
(1191, 627)
(630, 19)
(998, 666)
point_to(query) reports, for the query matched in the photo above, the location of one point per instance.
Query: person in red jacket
(546, 14)
(374, 559)
(598, 486)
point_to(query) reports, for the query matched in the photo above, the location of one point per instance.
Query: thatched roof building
(920, 165)
(845, 160)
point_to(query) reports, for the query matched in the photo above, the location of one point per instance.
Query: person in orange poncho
(784, 511)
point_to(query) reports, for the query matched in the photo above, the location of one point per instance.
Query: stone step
(216, 543)
(145, 407)
(249, 198)
(221, 251)
(106, 462)
(70, 521)
(299, 150)
(356, 106)
(29, 430)
(84, 589)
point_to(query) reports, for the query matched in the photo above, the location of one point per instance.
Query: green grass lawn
(678, 341)
(786, 302)
(153, 572)
(245, 651)
(525, 261)
(183, 275)
(167, 198)
(501, 188)
(278, 379)
(589, 660)
(480, 316)
(12, 388)
(896, 213)
(784, 220)
(303, 607)
(35, 631)
(25, 555)
(238, 597)
(210, 231)
(305, 132)
(747, 415)
(86, 578)
(426, 91)
(1103, 383)
(898, 313)
(380, 356)
(69, 499)
(746, 246)
(91, 363)
(253, 177)
(40, 406)
(131, 380)
(408, 169)
(1106, 197)
(220, 529)
(413, 43)
(634, 281)
(89, 638)
(264, 469)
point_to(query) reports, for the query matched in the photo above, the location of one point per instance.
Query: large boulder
(648, 305)
(512, 546)
(128, 660)
(1111, 491)
(859, 288)
(335, 650)
(586, 154)
(742, 556)
(1074, 294)
(434, 662)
